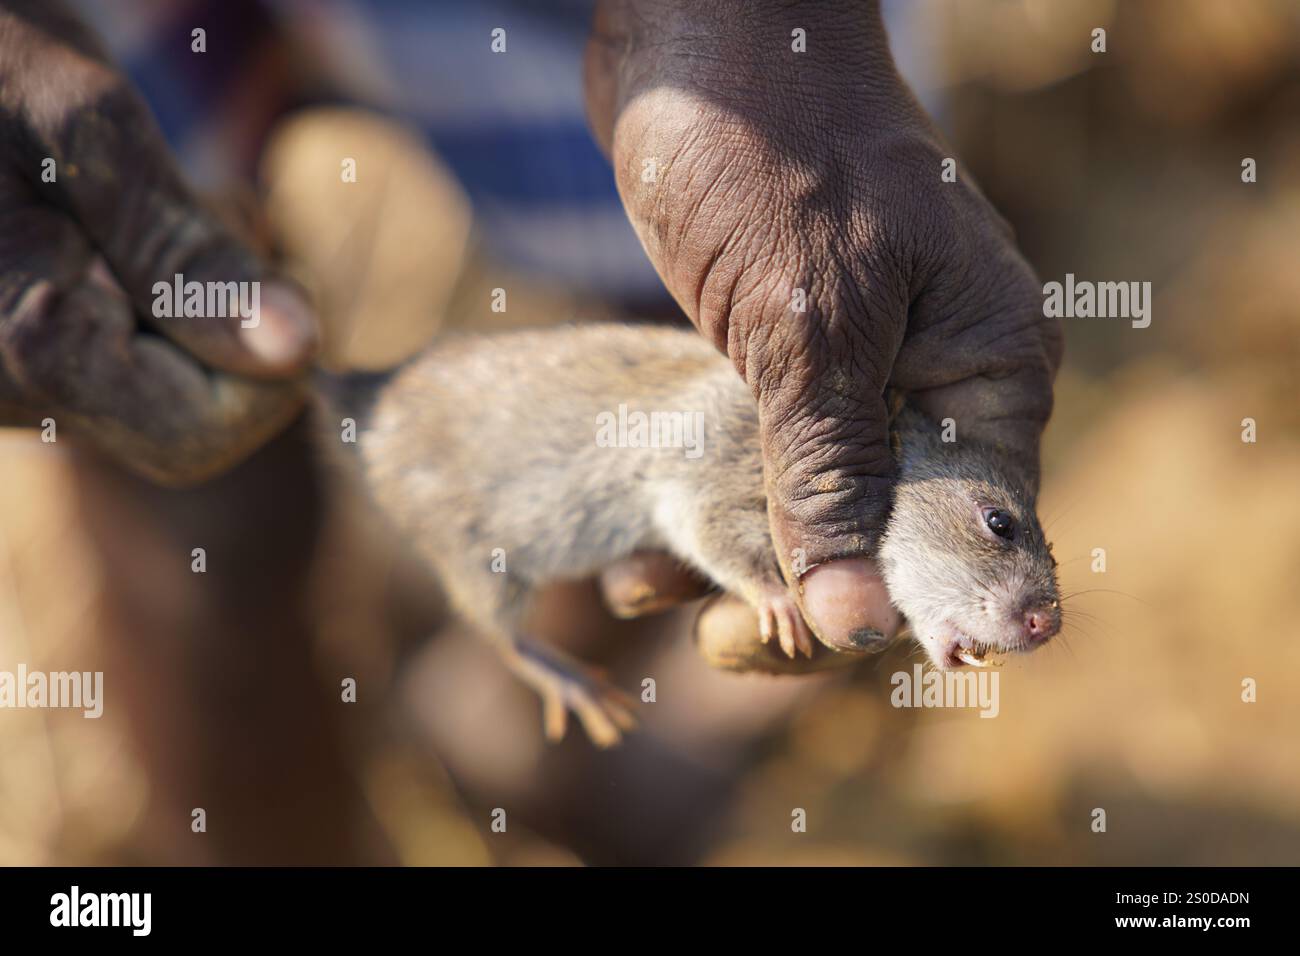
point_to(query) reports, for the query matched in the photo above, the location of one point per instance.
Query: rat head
(963, 555)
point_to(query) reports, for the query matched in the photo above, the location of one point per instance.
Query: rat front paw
(778, 615)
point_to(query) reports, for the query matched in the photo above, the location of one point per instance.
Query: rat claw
(792, 622)
(565, 685)
(620, 708)
(803, 637)
(602, 710)
(778, 611)
(787, 642)
(600, 728)
(555, 717)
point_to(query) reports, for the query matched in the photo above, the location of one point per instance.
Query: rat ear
(917, 444)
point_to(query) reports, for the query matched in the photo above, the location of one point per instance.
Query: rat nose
(1042, 622)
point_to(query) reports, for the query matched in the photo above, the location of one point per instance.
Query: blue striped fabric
(510, 125)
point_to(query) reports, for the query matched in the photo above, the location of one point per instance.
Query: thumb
(117, 180)
(829, 471)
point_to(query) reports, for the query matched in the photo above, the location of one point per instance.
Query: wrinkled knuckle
(819, 492)
(1053, 336)
(27, 340)
(822, 452)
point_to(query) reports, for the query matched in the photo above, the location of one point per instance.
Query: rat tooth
(966, 657)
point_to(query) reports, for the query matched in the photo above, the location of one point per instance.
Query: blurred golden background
(222, 690)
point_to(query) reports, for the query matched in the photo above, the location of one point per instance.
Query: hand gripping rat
(504, 447)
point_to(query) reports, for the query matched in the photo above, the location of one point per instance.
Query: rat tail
(340, 412)
(351, 394)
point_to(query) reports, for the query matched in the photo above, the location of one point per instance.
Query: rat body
(527, 457)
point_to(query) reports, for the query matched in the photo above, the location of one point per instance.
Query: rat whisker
(1131, 597)
(1073, 613)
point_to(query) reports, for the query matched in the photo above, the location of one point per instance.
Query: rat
(520, 458)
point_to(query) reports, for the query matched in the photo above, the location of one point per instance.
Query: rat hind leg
(565, 685)
(494, 604)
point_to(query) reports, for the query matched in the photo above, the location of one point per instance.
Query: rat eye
(1000, 523)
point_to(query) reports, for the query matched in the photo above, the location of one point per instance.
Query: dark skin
(777, 171)
(773, 171)
(186, 398)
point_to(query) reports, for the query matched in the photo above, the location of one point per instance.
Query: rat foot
(565, 685)
(779, 614)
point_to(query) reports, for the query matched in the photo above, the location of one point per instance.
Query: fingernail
(868, 639)
(284, 336)
(848, 606)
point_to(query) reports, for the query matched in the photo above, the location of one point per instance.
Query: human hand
(93, 213)
(761, 179)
